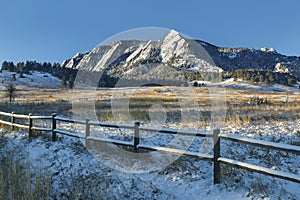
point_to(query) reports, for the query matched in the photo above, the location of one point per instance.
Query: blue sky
(53, 30)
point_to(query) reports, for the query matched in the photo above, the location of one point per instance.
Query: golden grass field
(241, 105)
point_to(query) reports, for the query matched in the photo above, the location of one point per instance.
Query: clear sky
(54, 30)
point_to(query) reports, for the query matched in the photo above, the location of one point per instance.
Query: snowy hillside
(33, 79)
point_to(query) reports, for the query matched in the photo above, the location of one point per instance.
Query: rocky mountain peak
(133, 58)
(173, 45)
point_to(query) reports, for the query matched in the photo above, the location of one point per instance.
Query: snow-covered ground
(46, 80)
(72, 166)
(246, 85)
(34, 79)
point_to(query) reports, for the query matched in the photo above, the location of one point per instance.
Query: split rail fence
(216, 158)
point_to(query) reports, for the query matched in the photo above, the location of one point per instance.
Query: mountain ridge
(133, 59)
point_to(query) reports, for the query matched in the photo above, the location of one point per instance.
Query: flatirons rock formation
(174, 56)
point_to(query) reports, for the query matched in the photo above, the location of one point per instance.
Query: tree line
(66, 75)
(261, 76)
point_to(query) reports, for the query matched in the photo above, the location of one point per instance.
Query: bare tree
(10, 91)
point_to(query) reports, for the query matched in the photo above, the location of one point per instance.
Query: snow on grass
(68, 162)
(33, 79)
(246, 85)
(73, 168)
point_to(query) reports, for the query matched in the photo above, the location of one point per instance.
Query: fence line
(136, 127)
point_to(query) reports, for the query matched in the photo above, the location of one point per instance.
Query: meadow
(266, 114)
(242, 106)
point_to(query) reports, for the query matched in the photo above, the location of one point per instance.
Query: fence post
(87, 132)
(54, 127)
(13, 120)
(217, 149)
(29, 125)
(87, 128)
(136, 138)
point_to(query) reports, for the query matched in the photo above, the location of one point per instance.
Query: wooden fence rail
(136, 127)
(254, 168)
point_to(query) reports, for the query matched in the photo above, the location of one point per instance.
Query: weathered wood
(262, 170)
(41, 117)
(260, 143)
(108, 140)
(40, 129)
(136, 137)
(21, 126)
(196, 133)
(5, 114)
(13, 119)
(217, 150)
(20, 116)
(177, 152)
(29, 125)
(67, 133)
(111, 125)
(87, 128)
(70, 120)
(5, 122)
(54, 138)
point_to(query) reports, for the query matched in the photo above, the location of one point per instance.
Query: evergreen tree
(56, 65)
(271, 79)
(252, 80)
(71, 83)
(20, 69)
(64, 81)
(291, 81)
(261, 78)
(4, 65)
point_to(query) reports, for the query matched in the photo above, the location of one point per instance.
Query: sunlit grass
(18, 182)
(140, 101)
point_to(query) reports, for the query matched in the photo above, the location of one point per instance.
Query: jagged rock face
(102, 56)
(186, 54)
(73, 62)
(136, 59)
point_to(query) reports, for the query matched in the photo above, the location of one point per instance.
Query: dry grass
(280, 106)
(18, 182)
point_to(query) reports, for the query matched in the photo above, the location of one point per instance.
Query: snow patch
(33, 79)
(232, 55)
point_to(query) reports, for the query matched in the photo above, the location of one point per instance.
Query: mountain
(174, 57)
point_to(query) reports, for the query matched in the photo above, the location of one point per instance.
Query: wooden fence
(216, 158)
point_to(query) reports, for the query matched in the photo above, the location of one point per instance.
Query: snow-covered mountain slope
(102, 56)
(130, 58)
(186, 53)
(174, 50)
